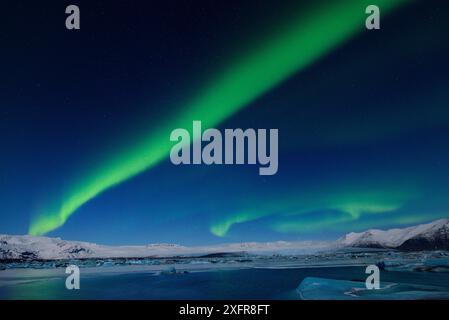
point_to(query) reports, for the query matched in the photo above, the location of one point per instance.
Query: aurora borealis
(361, 117)
(307, 39)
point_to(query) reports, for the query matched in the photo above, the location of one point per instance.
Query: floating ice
(424, 264)
(328, 289)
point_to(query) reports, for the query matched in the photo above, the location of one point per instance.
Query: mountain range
(45, 248)
(430, 236)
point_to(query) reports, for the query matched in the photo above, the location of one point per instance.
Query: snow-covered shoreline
(430, 236)
(45, 248)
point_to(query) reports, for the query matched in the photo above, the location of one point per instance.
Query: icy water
(224, 284)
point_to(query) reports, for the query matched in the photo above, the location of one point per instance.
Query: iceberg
(312, 288)
(421, 265)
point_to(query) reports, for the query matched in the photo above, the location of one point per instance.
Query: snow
(45, 248)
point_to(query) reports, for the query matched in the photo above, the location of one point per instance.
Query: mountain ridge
(45, 248)
(428, 236)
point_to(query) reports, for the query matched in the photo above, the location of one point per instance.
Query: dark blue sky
(363, 131)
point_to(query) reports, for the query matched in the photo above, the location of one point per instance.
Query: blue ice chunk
(328, 289)
(429, 265)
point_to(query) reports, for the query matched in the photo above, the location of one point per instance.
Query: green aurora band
(306, 39)
(293, 211)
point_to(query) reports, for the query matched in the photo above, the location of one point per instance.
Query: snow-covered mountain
(44, 248)
(429, 236)
(31, 248)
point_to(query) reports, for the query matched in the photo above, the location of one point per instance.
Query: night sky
(86, 116)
